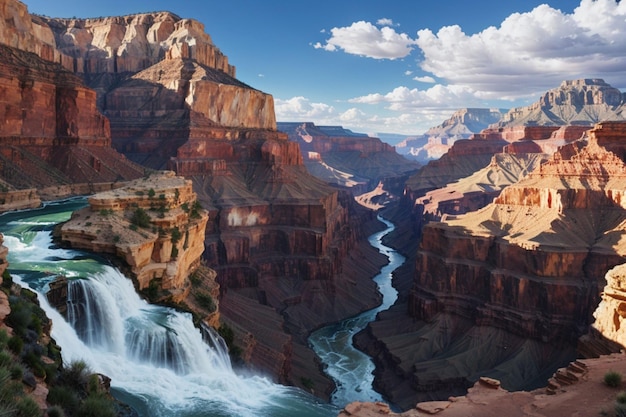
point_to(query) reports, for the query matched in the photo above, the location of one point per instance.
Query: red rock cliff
(524, 273)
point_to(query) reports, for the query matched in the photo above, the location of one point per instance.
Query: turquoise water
(159, 363)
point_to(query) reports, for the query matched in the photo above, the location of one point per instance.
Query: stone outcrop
(347, 159)
(573, 389)
(479, 189)
(575, 102)
(154, 224)
(516, 282)
(132, 43)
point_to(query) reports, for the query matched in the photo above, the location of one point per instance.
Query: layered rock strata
(351, 160)
(506, 291)
(574, 102)
(154, 224)
(52, 132)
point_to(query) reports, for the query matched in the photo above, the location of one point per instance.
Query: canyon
(154, 93)
(147, 112)
(523, 277)
(347, 159)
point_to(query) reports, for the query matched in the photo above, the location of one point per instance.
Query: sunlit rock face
(351, 160)
(575, 102)
(52, 132)
(166, 245)
(525, 272)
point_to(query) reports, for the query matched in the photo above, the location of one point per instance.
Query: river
(158, 361)
(351, 369)
(160, 364)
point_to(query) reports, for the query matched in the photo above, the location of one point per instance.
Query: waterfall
(158, 361)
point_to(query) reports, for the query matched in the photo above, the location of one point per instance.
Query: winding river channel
(125, 338)
(351, 369)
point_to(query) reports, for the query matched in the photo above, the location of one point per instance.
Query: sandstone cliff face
(154, 224)
(525, 271)
(342, 157)
(52, 132)
(133, 43)
(585, 101)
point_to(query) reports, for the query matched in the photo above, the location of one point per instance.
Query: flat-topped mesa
(133, 43)
(154, 224)
(583, 102)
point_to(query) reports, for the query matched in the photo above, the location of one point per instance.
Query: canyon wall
(350, 160)
(53, 133)
(507, 290)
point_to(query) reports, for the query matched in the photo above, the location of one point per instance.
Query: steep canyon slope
(286, 247)
(348, 159)
(505, 291)
(53, 137)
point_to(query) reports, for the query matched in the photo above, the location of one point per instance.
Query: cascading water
(351, 369)
(158, 361)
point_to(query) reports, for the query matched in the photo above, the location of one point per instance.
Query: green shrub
(5, 359)
(96, 406)
(140, 218)
(205, 300)
(55, 411)
(621, 397)
(307, 383)
(75, 375)
(64, 397)
(17, 372)
(613, 379)
(620, 410)
(27, 407)
(4, 338)
(16, 344)
(151, 193)
(176, 235)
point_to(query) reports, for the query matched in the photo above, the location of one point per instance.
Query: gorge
(200, 200)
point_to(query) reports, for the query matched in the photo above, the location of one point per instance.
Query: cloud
(409, 100)
(384, 22)
(364, 39)
(301, 108)
(531, 52)
(425, 79)
(408, 72)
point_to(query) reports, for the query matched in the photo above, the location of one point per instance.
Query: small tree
(140, 218)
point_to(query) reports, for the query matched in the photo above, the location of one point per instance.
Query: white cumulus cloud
(301, 108)
(425, 79)
(365, 39)
(534, 50)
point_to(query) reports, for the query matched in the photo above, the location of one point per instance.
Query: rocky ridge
(437, 140)
(524, 276)
(154, 224)
(345, 158)
(574, 102)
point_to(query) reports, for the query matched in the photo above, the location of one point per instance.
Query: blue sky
(397, 66)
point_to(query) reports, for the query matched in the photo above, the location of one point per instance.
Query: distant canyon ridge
(510, 222)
